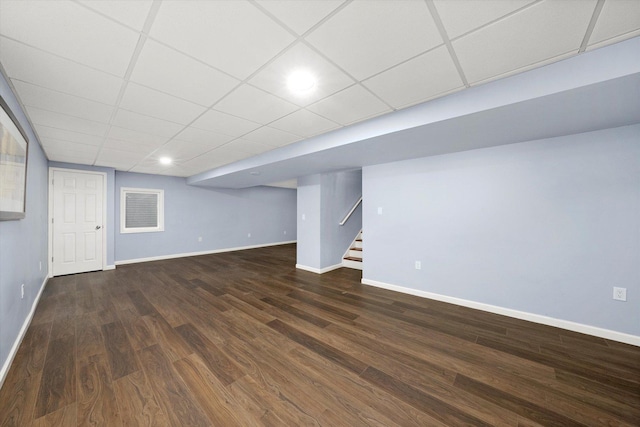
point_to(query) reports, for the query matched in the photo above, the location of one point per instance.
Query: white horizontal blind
(141, 210)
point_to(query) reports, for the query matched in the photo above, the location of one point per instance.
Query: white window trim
(123, 198)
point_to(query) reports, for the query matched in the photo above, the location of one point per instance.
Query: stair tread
(355, 249)
(352, 258)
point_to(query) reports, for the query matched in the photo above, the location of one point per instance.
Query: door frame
(50, 216)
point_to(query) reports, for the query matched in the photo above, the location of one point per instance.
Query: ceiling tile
(169, 71)
(36, 96)
(300, 16)
(145, 124)
(273, 78)
(159, 105)
(135, 137)
(419, 79)
(350, 105)
(304, 123)
(70, 156)
(157, 169)
(47, 132)
(217, 121)
(290, 183)
(43, 69)
(181, 151)
(271, 136)
(121, 160)
(130, 13)
(539, 32)
(203, 138)
(616, 18)
(71, 31)
(116, 144)
(62, 121)
(233, 36)
(249, 147)
(255, 105)
(51, 145)
(214, 158)
(367, 37)
(462, 16)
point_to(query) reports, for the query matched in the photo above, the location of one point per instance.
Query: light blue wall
(545, 227)
(308, 217)
(23, 243)
(339, 192)
(111, 213)
(223, 218)
(324, 200)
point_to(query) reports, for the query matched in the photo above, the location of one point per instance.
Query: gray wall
(324, 200)
(223, 218)
(111, 213)
(545, 227)
(23, 243)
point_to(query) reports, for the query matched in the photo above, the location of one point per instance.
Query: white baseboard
(215, 251)
(523, 315)
(109, 267)
(20, 337)
(318, 270)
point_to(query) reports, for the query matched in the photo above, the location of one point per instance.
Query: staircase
(353, 257)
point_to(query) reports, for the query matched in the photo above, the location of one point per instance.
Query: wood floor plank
(436, 408)
(216, 360)
(319, 347)
(297, 312)
(171, 393)
(584, 369)
(137, 403)
(89, 340)
(214, 398)
(141, 304)
(167, 337)
(396, 410)
(20, 390)
(58, 384)
(520, 406)
(245, 338)
(315, 393)
(96, 403)
(137, 330)
(63, 417)
(121, 355)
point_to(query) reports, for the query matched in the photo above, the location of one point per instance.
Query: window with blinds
(141, 210)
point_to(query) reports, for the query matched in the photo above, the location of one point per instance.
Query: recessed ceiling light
(165, 160)
(301, 82)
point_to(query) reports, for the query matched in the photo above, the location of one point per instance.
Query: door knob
(98, 227)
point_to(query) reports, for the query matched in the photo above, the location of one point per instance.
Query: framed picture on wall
(13, 165)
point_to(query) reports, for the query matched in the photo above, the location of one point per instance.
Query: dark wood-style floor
(245, 339)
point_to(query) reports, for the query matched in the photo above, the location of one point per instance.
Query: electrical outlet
(22, 291)
(418, 265)
(200, 239)
(379, 210)
(285, 231)
(620, 294)
(304, 217)
(40, 265)
(249, 235)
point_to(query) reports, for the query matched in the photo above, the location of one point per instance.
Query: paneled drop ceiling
(121, 83)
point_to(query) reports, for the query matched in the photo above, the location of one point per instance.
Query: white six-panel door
(77, 222)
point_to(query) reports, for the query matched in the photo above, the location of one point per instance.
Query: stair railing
(346, 218)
